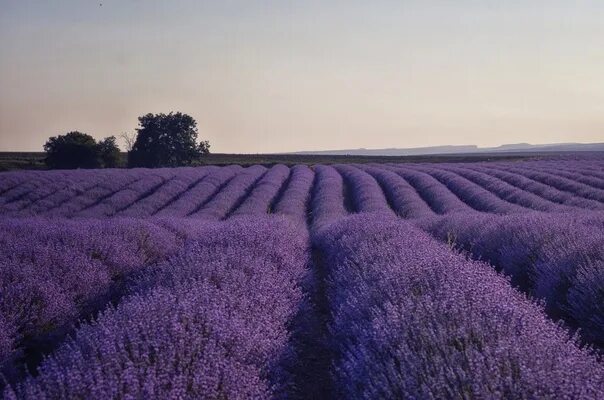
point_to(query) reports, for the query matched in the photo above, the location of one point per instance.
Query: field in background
(35, 160)
(364, 280)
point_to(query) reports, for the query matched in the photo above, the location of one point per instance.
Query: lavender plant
(327, 202)
(264, 192)
(295, 198)
(404, 199)
(557, 258)
(366, 193)
(412, 319)
(209, 323)
(231, 196)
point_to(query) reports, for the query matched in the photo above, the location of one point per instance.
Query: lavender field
(347, 281)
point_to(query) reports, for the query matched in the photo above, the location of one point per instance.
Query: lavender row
(403, 198)
(89, 193)
(594, 181)
(128, 196)
(67, 204)
(159, 199)
(230, 197)
(209, 323)
(472, 194)
(411, 319)
(295, 198)
(28, 183)
(261, 198)
(542, 190)
(560, 183)
(54, 272)
(585, 174)
(434, 193)
(366, 193)
(327, 203)
(196, 197)
(554, 257)
(31, 193)
(490, 187)
(498, 192)
(506, 191)
(49, 190)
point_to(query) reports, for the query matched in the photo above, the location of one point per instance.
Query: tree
(129, 138)
(166, 140)
(109, 152)
(72, 150)
(79, 150)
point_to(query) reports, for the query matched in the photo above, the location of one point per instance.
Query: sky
(279, 76)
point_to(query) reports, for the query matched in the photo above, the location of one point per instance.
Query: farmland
(367, 280)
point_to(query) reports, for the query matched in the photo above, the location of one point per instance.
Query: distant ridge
(463, 149)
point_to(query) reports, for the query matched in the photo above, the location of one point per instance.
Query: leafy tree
(166, 140)
(72, 150)
(79, 150)
(109, 152)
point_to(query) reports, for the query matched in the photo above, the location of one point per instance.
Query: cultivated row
(217, 193)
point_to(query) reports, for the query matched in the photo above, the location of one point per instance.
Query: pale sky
(273, 76)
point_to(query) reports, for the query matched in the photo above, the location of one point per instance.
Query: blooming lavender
(412, 319)
(596, 181)
(294, 200)
(473, 194)
(540, 189)
(557, 258)
(201, 192)
(327, 203)
(231, 196)
(561, 183)
(507, 191)
(264, 192)
(404, 199)
(209, 323)
(433, 192)
(157, 200)
(123, 199)
(366, 193)
(69, 203)
(193, 282)
(54, 272)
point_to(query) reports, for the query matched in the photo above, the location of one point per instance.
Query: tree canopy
(80, 150)
(166, 140)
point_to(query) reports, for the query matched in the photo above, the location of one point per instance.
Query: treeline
(161, 140)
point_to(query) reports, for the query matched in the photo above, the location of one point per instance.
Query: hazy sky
(270, 76)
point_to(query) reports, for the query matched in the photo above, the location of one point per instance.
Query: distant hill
(463, 149)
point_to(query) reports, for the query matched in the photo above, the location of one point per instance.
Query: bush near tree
(166, 140)
(79, 150)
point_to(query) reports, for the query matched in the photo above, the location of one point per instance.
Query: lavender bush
(54, 272)
(547, 192)
(154, 201)
(561, 183)
(472, 194)
(327, 204)
(439, 197)
(261, 198)
(209, 323)
(193, 282)
(559, 259)
(507, 191)
(404, 199)
(366, 193)
(197, 196)
(230, 197)
(296, 195)
(411, 319)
